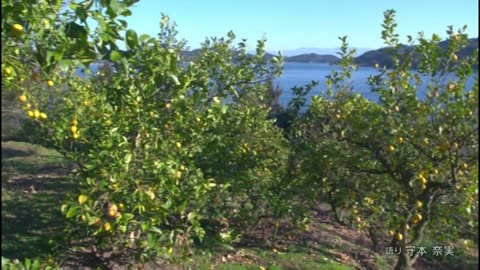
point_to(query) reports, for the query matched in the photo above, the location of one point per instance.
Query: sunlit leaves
(396, 152)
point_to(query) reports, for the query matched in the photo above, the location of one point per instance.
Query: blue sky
(292, 24)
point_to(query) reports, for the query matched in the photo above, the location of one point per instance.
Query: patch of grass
(255, 259)
(33, 164)
(461, 258)
(307, 261)
(12, 148)
(382, 262)
(33, 189)
(229, 266)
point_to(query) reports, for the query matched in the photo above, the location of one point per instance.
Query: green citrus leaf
(131, 39)
(115, 56)
(71, 212)
(128, 158)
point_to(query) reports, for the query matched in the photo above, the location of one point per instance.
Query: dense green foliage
(171, 153)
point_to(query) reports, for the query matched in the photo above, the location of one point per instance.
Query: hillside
(303, 58)
(380, 56)
(383, 57)
(313, 58)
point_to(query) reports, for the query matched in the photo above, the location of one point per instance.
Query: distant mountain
(369, 58)
(313, 58)
(328, 51)
(383, 57)
(191, 55)
(304, 58)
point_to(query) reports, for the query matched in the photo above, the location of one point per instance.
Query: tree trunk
(404, 262)
(373, 237)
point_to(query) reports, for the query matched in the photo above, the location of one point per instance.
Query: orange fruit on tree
(17, 30)
(22, 98)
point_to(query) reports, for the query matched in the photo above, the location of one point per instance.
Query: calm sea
(299, 74)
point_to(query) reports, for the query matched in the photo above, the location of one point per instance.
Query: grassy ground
(34, 183)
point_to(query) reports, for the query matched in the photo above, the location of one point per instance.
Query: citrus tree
(167, 151)
(405, 166)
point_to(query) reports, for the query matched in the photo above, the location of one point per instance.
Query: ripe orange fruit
(46, 23)
(82, 199)
(451, 87)
(17, 30)
(50, 83)
(422, 179)
(22, 98)
(43, 115)
(8, 71)
(107, 227)
(113, 207)
(391, 149)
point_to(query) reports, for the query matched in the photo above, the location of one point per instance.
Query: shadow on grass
(29, 223)
(34, 184)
